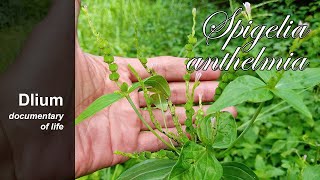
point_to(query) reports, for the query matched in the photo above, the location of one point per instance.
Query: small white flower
(198, 76)
(301, 24)
(247, 6)
(305, 157)
(194, 11)
(213, 120)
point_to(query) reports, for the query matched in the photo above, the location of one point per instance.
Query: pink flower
(198, 76)
(247, 6)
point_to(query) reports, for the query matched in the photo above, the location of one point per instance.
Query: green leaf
(243, 89)
(149, 169)
(206, 129)
(311, 173)
(159, 84)
(266, 75)
(288, 2)
(259, 163)
(196, 162)
(274, 171)
(237, 171)
(160, 101)
(134, 87)
(278, 146)
(226, 131)
(294, 100)
(99, 104)
(299, 79)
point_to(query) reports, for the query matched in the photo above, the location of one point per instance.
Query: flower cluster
(190, 54)
(105, 49)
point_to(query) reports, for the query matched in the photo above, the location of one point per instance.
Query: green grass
(276, 144)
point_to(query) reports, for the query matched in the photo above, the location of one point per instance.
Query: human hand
(118, 127)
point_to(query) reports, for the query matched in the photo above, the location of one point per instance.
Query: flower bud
(108, 59)
(191, 54)
(188, 47)
(206, 130)
(114, 76)
(124, 87)
(198, 76)
(187, 77)
(143, 60)
(113, 67)
(222, 85)
(218, 90)
(192, 40)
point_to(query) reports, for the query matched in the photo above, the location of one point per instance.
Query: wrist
(81, 155)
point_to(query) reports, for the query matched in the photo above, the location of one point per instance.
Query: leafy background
(17, 18)
(282, 143)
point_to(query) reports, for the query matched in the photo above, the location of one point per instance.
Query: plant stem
(317, 154)
(146, 97)
(231, 6)
(254, 117)
(148, 126)
(164, 118)
(176, 122)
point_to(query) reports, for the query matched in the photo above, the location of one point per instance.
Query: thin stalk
(148, 126)
(231, 6)
(146, 97)
(195, 85)
(164, 118)
(254, 117)
(176, 121)
(264, 3)
(317, 154)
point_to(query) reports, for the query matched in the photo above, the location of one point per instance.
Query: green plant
(215, 133)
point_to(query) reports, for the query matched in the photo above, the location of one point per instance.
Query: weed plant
(275, 135)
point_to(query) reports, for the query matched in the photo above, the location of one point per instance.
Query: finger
(147, 141)
(172, 68)
(231, 110)
(206, 90)
(166, 120)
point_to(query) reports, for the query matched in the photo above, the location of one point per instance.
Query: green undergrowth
(282, 143)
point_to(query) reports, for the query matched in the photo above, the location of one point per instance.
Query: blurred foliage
(282, 142)
(17, 18)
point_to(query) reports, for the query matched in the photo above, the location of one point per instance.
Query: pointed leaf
(243, 89)
(237, 171)
(206, 130)
(226, 131)
(157, 169)
(99, 104)
(294, 99)
(311, 173)
(133, 87)
(196, 162)
(159, 83)
(159, 101)
(299, 79)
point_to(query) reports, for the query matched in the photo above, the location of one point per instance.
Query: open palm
(118, 127)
